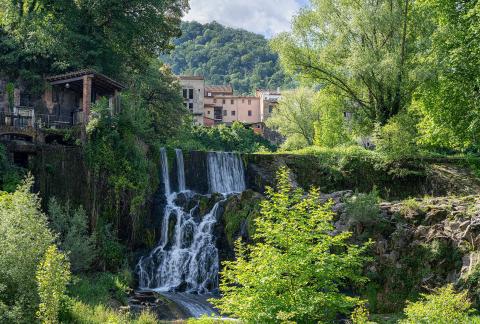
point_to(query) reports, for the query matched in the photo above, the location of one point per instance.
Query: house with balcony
(66, 103)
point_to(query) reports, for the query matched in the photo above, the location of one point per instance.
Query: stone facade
(193, 92)
(216, 104)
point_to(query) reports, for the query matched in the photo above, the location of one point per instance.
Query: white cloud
(267, 17)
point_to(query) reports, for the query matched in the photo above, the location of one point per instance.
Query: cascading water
(165, 175)
(225, 172)
(186, 258)
(180, 170)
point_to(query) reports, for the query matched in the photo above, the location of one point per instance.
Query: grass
(98, 298)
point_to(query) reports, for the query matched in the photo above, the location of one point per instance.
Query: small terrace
(66, 103)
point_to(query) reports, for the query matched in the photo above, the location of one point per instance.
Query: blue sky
(267, 17)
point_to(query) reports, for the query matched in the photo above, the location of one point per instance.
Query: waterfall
(165, 175)
(180, 170)
(225, 172)
(186, 257)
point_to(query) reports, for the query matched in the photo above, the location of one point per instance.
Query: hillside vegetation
(227, 55)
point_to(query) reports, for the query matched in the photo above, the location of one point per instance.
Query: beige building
(268, 101)
(193, 92)
(216, 104)
(223, 107)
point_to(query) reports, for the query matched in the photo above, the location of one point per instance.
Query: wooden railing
(23, 117)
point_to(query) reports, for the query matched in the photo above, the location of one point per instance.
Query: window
(223, 101)
(232, 101)
(249, 101)
(184, 93)
(249, 112)
(209, 94)
(208, 112)
(270, 109)
(214, 100)
(233, 112)
(190, 105)
(190, 93)
(224, 112)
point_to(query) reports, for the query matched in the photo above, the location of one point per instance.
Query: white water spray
(180, 170)
(225, 172)
(186, 258)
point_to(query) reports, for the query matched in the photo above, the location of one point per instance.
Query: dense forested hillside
(227, 55)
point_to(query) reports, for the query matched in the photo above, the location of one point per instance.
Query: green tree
(44, 36)
(25, 238)
(53, 275)
(296, 115)
(331, 130)
(398, 138)
(296, 268)
(444, 306)
(361, 49)
(72, 227)
(448, 96)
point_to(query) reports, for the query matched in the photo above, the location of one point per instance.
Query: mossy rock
(239, 215)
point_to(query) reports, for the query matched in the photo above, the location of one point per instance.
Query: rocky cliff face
(418, 244)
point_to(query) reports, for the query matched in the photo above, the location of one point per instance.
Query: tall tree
(104, 35)
(361, 48)
(449, 95)
(296, 115)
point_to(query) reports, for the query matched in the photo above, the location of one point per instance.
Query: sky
(267, 17)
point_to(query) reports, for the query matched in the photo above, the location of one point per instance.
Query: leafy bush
(360, 315)
(10, 175)
(96, 298)
(53, 274)
(443, 306)
(362, 209)
(296, 271)
(235, 138)
(398, 138)
(25, 237)
(207, 320)
(111, 253)
(72, 227)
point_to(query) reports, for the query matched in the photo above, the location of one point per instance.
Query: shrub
(204, 319)
(72, 227)
(360, 315)
(96, 298)
(111, 253)
(443, 306)
(295, 270)
(53, 275)
(362, 210)
(10, 175)
(398, 138)
(25, 237)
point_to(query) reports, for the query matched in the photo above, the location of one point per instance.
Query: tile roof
(81, 73)
(219, 88)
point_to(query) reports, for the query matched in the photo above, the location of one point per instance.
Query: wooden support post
(87, 97)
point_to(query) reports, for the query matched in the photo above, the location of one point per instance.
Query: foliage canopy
(225, 55)
(296, 268)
